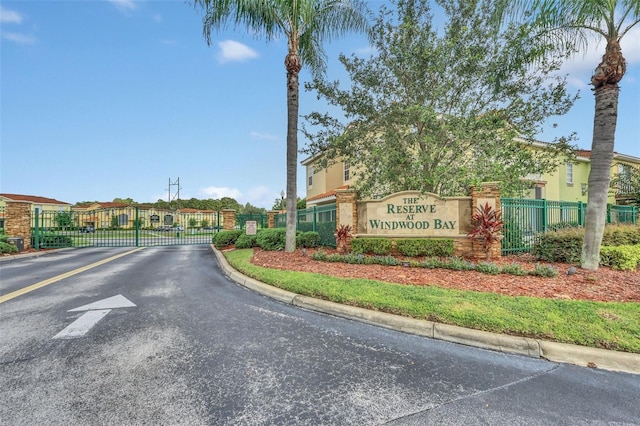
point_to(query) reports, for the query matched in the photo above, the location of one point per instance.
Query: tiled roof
(583, 153)
(32, 199)
(331, 193)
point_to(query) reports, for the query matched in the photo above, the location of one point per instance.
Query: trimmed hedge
(565, 245)
(271, 239)
(53, 241)
(7, 248)
(626, 258)
(307, 239)
(379, 246)
(226, 238)
(245, 241)
(431, 247)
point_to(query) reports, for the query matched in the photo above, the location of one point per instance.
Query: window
(310, 173)
(569, 173)
(346, 172)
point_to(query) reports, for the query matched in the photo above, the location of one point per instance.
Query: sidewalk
(535, 348)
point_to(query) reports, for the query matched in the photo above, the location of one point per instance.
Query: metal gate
(123, 227)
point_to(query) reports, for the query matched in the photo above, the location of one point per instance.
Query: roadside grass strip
(606, 325)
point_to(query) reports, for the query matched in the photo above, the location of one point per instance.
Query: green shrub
(559, 246)
(319, 255)
(543, 271)
(488, 268)
(458, 264)
(431, 263)
(514, 269)
(246, 241)
(226, 238)
(307, 239)
(621, 235)
(272, 239)
(425, 247)
(53, 241)
(563, 225)
(7, 248)
(626, 258)
(379, 246)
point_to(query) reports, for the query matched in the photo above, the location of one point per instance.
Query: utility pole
(175, 196)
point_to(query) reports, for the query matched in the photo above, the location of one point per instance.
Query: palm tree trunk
(604, 128)
(293, 89)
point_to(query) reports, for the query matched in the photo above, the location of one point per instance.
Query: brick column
(228, 219)
(271, 218)
(486, 192)
(18, 221)
(347, 211)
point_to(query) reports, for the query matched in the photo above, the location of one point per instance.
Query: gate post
(18, 221)
(228, 219)
(486, 193)
(271, 219)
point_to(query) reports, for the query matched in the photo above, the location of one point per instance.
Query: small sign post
(252, 227)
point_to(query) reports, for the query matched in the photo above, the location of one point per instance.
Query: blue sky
(105, 99)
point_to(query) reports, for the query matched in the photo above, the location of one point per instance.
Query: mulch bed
(605, 284)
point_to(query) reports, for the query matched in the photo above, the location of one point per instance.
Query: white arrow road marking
(114, 302)
(95, 312)
(82, 325)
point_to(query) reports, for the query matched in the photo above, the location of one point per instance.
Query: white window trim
(569, 173)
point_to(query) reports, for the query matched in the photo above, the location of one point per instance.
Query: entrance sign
(412, 214)
(252, 227)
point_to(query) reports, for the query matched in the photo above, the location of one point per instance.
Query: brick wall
(18, 221)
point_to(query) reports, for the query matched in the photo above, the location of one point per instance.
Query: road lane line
(44, 283)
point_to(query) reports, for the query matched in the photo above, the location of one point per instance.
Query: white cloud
(123, 5)
(9, 16)
(19, 38)
(216, 192)
(265, 136)
(232, 51)
(260, 196)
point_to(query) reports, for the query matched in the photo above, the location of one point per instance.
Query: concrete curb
(557, 352)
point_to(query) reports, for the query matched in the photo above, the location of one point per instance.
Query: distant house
(569, 182)
(37, 202)
(103, 215)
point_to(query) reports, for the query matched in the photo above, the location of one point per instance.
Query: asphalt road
(197, 349)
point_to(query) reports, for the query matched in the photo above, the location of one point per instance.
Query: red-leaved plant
(342, 234)
(487, 227)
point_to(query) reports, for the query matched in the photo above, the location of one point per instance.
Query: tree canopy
(441, 108)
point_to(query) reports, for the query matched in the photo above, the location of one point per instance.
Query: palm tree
(306, 24)
(572, 24)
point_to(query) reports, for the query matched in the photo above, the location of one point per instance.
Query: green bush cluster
(378, 246)
(272, 239)
(266, 239)
(559, 246)
(53, 241)
(625, 258)
(621, 235)
(410, 247)
(425, 247)
(307, 239)
(454, 263)
(565, 245)
(5, 247)
(226, 238)
(245, 241)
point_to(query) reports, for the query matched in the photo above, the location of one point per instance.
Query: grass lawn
(606, 325)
